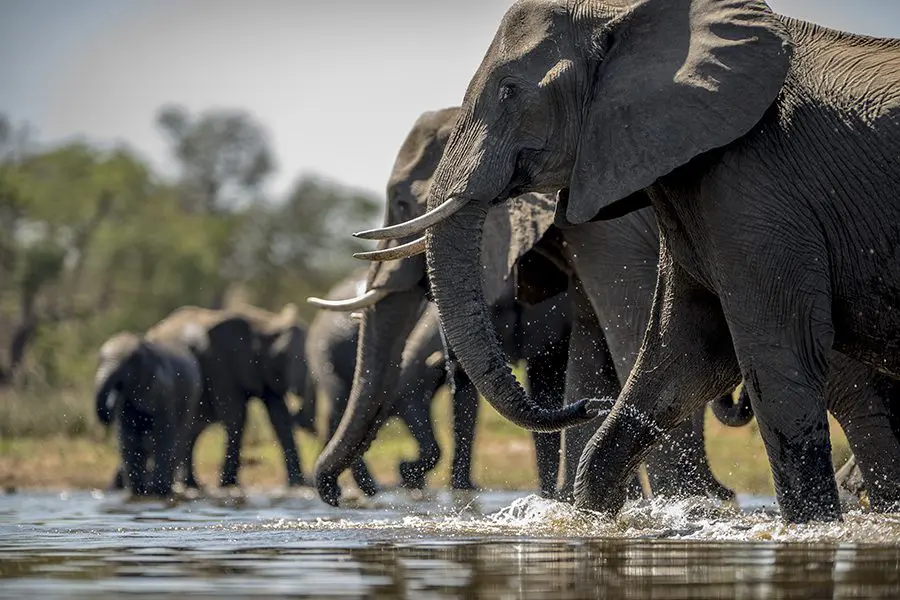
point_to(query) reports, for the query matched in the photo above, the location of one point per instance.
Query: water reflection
(85, 547)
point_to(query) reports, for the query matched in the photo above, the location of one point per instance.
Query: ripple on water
(435, 544)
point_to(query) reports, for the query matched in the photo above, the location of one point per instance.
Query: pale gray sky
(337, 84)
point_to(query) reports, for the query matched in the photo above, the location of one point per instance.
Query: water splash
(694, 518)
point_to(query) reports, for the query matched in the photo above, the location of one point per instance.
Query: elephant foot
(228, 482)
(117, 483)
(720, 492)
(412, 475)
(462, 484)
(295, 481)
(328, 489)
(368, 486)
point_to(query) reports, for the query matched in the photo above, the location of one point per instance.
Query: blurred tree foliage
(93, 241)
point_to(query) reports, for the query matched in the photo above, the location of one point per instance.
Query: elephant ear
(677, 78)
(511, 230)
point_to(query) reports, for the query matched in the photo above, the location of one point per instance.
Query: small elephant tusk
(111, 400)
(412, 248)
(417, 225)
(368, 299)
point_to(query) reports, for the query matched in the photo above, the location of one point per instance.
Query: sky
(336, 85)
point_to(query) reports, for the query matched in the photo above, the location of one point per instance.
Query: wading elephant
(152, 391)
(244, 353)
(544, 326)
(766, 148)
(331, 349)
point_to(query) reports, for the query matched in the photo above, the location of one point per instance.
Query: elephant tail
(731, 413)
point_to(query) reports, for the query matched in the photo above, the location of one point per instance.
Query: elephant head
(125, 368)
(396, 292)
(594, 101)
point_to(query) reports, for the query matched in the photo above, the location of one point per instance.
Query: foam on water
(695, 518)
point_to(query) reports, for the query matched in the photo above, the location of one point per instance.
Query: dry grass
(57, 444)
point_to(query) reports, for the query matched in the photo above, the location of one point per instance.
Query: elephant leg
(118, 480)
(861, 400)
(282, 424)
(547, 382)
(590, 373)
(339, 394)
(686, 359)
(234, 430)
(418, 384)
(784, 346)
(678, 465)
(195, 428)
(164, 454)
(134, 455)
(465, 418)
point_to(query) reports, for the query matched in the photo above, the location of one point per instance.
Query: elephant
(152, 391)
(244, 352)
(761, 144)
(550, 351)
(331, 350)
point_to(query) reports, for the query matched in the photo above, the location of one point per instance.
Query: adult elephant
(537, 330)
(152, 391)
(331, 350)
(763, 146)
(244, 352)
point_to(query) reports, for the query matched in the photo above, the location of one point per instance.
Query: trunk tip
(328, 488)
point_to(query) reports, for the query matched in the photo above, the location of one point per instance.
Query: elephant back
(279, 347)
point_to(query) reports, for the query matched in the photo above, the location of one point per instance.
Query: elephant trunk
(731, 413)
(383, 333)
(454, 268)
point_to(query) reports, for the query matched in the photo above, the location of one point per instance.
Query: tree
(223, 157)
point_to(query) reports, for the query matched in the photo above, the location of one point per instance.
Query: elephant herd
(650, 204)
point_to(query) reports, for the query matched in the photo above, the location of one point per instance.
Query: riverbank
(84, 456)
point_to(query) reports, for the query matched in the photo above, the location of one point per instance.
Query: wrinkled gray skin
(244, 353)
(763, 146)
(151, 390)
(538, 334)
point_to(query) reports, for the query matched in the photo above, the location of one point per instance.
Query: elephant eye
(507, 91)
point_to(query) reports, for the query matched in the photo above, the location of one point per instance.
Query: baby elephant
(153, 390)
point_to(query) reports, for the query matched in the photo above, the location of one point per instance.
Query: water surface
(434, 545)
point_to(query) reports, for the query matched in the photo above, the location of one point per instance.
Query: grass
(53, 441)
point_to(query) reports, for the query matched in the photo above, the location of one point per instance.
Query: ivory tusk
(417, 225)
(350, 304)
(412, 248)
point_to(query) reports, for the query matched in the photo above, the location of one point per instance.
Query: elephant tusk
(368, 299)
(111, 400)
(412, 248)
(417, 225)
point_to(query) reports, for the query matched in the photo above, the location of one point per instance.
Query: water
(434, 545)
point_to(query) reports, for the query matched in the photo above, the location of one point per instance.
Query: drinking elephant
(244, 353)
(151, 389)
(762, 145)
(398, 289)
